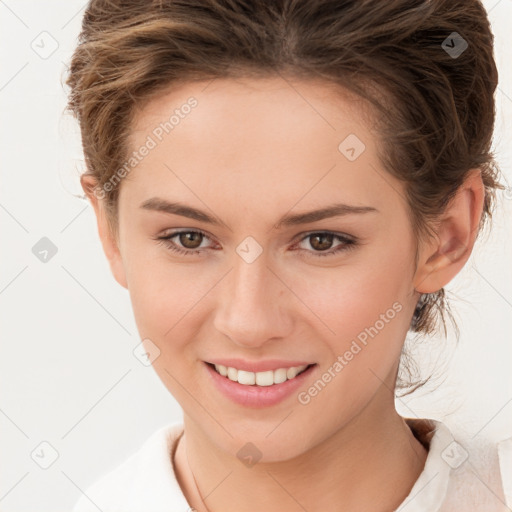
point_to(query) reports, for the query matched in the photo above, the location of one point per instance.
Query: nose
(253, 304)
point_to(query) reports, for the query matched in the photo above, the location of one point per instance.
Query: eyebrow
(335, 210)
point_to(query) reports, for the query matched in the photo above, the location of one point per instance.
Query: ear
(442, 259)
(108, 240)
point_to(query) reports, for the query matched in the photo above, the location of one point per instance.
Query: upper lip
(258, 366)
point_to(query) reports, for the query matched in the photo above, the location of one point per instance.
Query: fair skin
(251, 152)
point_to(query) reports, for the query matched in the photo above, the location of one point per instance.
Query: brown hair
(434, 108)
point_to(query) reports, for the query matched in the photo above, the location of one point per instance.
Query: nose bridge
(249, 310)
(252, 280)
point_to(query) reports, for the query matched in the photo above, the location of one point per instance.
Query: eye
(190, 241)
(322, 241)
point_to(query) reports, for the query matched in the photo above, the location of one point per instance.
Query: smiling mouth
(267, 378)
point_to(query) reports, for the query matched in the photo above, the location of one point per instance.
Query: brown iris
(325, 241)
(191, 240)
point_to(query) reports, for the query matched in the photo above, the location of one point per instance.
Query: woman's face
(259, 279)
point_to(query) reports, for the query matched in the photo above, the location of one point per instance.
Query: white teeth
(267, 378)
(247, 378)
(222, 370)
(233, 374)
(280, 375)
(292, 372)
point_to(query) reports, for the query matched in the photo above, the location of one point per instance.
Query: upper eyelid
(181, 231)
(307, 234)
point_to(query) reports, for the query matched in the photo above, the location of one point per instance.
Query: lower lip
(258, 396)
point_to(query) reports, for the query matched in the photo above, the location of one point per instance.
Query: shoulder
(144, 481)
(462, 471)
(479, 473)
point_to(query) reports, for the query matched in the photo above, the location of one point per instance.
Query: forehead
(255, 111)
(261, 140)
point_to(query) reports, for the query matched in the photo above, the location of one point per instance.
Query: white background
(68, 375)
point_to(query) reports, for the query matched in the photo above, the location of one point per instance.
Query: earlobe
(442, 259)
(108, 241)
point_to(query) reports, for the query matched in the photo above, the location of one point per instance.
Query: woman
(285, 187)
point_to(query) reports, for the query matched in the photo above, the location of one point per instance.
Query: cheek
(364, 310)
(161, 303)
(365, 307)
(166, 300)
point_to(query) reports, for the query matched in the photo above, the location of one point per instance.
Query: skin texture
(250, 152)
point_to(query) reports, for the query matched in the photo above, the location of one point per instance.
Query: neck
(352, 469)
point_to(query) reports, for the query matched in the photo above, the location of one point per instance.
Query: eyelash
(348, 243)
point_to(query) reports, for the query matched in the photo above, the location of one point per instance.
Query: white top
(464, 474)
